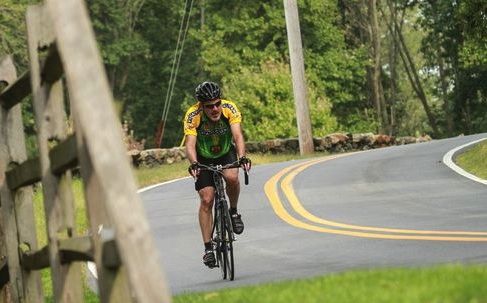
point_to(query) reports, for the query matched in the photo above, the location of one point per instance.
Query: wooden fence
(63, 52)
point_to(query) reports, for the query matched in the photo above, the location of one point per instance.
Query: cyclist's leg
(205, 214)
(232, 186)
(206, 191)
(231, 177)
(233, 191)
(206, 223)
(205, 187)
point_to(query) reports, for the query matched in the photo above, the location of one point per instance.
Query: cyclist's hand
(193, 169)
(245, 163)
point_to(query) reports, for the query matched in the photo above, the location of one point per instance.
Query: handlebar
(219, 168)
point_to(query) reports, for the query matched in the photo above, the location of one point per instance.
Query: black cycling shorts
(205, 178)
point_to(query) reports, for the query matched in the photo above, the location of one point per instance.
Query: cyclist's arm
(191, 148)
(238, 138)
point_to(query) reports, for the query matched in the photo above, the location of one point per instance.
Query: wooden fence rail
(62, 51)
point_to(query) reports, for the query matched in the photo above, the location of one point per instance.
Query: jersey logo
(192, 115)
(230, 107)
(216, 131)
(216, 149)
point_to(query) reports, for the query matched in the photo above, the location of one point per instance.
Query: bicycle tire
(219, 242)
(223, 244)
(222, 227)
(228, 252)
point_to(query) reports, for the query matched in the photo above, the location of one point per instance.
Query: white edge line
(156, 185)
(91, 265)
(448, 160)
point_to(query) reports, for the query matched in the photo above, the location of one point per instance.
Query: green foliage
(148, 81)
(474, 22)
(12, 31)
(268, 92)
(339, 68)
(252, 46)
(237, 34)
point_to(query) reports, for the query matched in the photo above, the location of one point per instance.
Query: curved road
(396, 206)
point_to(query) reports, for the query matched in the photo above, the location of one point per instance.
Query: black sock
(208, 246)
(233, 210)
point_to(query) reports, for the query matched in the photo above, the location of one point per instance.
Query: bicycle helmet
(207, 91)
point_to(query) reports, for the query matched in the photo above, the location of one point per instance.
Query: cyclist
(213, 133)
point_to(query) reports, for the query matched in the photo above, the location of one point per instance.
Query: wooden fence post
(98, 126)
(17, 209)
(51, 121)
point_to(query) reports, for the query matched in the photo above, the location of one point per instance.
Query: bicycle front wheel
(227, 251)
(220, 244)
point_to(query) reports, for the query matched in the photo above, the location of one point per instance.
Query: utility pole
(299, 82)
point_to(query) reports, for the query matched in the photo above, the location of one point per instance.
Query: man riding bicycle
(213, 133)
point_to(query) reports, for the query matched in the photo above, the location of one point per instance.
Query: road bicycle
(222, 231)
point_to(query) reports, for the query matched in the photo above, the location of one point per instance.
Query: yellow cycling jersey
(213, 139)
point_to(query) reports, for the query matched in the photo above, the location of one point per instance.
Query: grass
(475, 160)
(449, 283)
(152, 175)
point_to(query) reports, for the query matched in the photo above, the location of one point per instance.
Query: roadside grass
(448, 283)
(146, 176)
(474, 160)
(445, 284)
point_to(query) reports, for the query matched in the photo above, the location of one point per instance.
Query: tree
(456, 32)
(115, 27)
(359, 18)
(267, 102)
(138, 53)
(254, 36)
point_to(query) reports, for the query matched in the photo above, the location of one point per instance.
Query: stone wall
(333, 143)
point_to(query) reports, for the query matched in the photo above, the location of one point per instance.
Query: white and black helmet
(207, 91)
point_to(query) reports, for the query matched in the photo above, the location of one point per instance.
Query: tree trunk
(444, 92)
(415, 81)
(393, 53)
(374, 71)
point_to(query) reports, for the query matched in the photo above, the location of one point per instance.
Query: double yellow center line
(283, 181)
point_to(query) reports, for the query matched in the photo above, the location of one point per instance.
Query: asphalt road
(389, 207)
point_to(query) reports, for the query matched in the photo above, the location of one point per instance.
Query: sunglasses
(211, 106)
